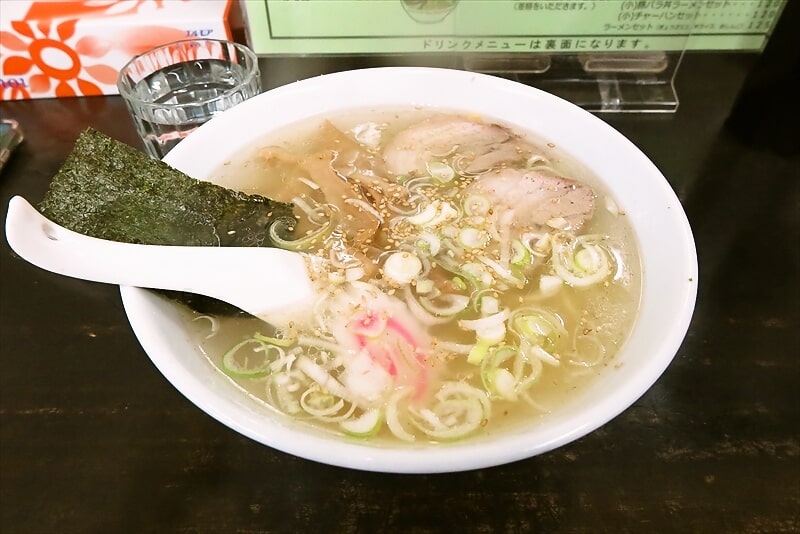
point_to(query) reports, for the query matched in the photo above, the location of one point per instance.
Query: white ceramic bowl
(666, 245)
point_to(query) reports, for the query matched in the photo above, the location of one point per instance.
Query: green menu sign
(507, 26)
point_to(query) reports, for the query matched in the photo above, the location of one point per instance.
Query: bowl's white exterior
(665, 240)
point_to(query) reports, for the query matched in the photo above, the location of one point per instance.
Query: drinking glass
(173, 89)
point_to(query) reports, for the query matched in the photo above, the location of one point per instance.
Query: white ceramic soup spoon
(270, 283)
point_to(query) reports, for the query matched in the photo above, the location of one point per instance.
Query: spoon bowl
(270, 283)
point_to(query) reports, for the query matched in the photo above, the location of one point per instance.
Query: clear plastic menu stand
(611, 56)
(598, 82)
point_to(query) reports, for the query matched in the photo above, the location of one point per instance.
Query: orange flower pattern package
(76, 48)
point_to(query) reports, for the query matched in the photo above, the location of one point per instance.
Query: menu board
(285, 27)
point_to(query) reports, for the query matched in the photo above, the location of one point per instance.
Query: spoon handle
(256, 279)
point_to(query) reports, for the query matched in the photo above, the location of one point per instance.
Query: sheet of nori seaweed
(110, 190)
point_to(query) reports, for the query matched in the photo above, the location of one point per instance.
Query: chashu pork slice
(536, 198)
(477, 146)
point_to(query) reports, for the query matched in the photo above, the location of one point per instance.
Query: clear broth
(608, 311)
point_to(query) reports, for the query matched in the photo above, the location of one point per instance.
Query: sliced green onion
(587, 350)
(445, 305)
(434, 214)
(559, 223)
(473, 238)
(279, 341)
(459, 410)
(281, 388)
(426, 215)
(498, 358)
(459, 283)
(319, 375)
(352, 274)
(502, 382)
(533, 326)
(589, 259)
(538, 244)
(507, 372)
(549, 285)
(543, 355)
(520, 255)
(611, 206)
(393, 415)
(255, 364)
(214, 323)
(419, 311)
(479, 273)
(536, 159)
(445, 212)
(477, 205)
(366, 425)
(400, 268)
(489, 305)
(429, 243)
(581, 261)
(492, 334)
(538, 327)
(285, 226)
(485, 322)
(505, 274)
(424, 286)
(450, 231)
(320, 403)
(478, 352)
(442, 172)
(416, 186)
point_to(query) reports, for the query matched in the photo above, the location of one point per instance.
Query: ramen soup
(470, 277)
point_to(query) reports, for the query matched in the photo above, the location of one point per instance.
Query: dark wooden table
(94, 439)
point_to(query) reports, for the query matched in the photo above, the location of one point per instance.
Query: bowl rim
(472, 453)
